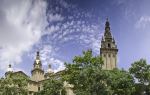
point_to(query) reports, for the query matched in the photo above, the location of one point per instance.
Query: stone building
(38, 76)
(108, 51)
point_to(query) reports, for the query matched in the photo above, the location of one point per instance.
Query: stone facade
(38, 76)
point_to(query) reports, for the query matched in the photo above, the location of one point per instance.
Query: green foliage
(88, 78)
(86, 75)
(140, 70)
(120, 82)
(52, 86)
(13, 85)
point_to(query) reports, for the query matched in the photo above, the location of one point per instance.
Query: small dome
(9, 69)
(49, 69)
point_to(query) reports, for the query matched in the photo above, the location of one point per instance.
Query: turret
(49, 72)
(9, 71)
(37, 72)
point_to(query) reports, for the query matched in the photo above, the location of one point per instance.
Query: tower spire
(107, 25)
(37, 72)
(49, 66)
(37, 62)
(107, 34)
(38, 55)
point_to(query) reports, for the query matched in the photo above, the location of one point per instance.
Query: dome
(9, 69)
(49, 69)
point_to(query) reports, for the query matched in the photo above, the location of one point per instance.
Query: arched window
(104, 55)
(113, 55)
(109, 46)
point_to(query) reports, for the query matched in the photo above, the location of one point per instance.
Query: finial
(38, 53)
(9, 66)
(107, 24)
(107, 19)
(37, 59)
(49, 66)
(49, 69)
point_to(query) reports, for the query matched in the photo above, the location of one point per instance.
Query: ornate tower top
(107, 38)
(37, 62)
(37, 72)
(107, 34)
(107, 24)
(37, 55)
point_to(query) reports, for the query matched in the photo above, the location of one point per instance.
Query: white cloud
(64, 4)
(55, 17)
(63, 29)
(143, 22)
(51, 29)
(46, 54)
(79, 30)
(57, 64)
(47, 58)
(22, 23)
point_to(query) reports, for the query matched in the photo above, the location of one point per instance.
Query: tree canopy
(88, 77)
(52, 86)
(140, 70)
(13, 84)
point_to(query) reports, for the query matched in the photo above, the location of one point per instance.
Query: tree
(52, 86)
(14, 84)
(120, 82)
(87, 76)
(140, 70)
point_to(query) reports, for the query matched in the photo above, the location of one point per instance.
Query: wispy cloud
(39, 25)
(55, 17)
(64, 28)
(77, 29)
(21, 27)
(143, 22)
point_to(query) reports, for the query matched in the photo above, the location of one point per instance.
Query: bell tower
(37, 72)
(108, 50)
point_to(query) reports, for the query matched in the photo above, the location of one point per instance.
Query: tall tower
(108, 49)
(37, 72)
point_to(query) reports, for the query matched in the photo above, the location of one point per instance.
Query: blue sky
(62, 29)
